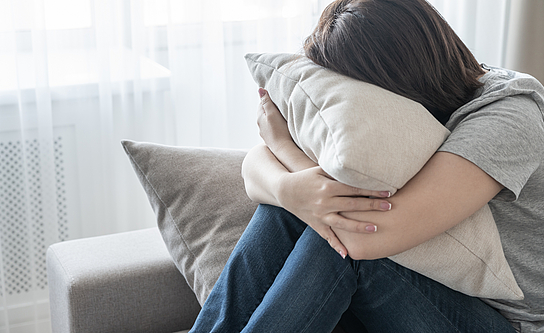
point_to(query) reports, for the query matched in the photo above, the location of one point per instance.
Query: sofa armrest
(125, 282)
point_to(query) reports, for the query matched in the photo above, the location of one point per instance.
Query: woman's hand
(272, 126)
(318, 200)
(275, 133)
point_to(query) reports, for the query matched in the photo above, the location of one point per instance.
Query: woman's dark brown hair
(404, 46)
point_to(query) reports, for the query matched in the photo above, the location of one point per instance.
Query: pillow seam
(329, 133)
(485, 263)
(275, 69)
(298, 83)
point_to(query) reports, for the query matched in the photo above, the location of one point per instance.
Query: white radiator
(31, 219)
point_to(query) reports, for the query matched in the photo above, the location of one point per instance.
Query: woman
(285, 274)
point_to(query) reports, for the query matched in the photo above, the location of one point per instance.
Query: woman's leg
(316, 286)
(310, 293)
(291, 283)
(392, 298)
(251, 269)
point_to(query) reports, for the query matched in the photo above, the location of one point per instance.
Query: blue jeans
(283, 277)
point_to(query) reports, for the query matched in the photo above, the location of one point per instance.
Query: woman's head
(404, 46)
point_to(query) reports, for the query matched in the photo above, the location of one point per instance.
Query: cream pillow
(371, 138)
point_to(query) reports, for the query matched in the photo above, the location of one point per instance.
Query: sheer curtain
(481, 25)
(504, 33)
(77, 76)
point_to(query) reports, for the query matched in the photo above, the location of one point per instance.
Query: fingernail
(371, 228)
(385, 194)
(385, 205)
(342, 254)
(262, 92)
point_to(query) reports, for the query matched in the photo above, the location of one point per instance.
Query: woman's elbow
(251, 191)
(357, 245)
(368, 246)
(361, 253)
(248, 183)
(257, 193)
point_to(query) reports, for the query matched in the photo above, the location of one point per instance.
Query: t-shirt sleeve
(505, 139)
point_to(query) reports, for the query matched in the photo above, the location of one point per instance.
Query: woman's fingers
(267, 107)
(337, 188)
(328, 234)
(272, 126)
(265, 98)
(337, 196)
(350, 204)
(339, 221)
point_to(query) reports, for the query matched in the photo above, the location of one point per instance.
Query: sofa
(145, 280)
(124, 282)
(155, 280)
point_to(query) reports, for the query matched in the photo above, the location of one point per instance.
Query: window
(18, 15)
(190, 11)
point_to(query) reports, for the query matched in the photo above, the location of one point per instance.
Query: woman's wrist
(290, 155)
(261, 171)
(281, 187)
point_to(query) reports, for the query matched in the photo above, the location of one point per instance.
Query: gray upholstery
(124, 282)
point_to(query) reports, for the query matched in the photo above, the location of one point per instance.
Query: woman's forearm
(261, 172)
(446, 191)
(292, 158)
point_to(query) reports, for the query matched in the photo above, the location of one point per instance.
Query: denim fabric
(283, 277)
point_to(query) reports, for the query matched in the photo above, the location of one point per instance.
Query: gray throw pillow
(200, 202)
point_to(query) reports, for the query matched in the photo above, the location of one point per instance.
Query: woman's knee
(273, 211)
(278, 216)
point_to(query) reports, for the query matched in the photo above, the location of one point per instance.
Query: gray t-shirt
(502, 132)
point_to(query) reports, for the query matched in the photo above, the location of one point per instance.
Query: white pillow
(371, 138)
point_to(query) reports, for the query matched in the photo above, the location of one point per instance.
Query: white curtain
(504, 33)
(481, 24)
(77, 76)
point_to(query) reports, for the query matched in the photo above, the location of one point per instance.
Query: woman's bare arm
(261, 171)
(446, 191)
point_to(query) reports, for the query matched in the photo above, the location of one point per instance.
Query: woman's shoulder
(506, 119)
(503, 89)
(505, 82)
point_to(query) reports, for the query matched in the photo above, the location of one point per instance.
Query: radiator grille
(24, 234)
